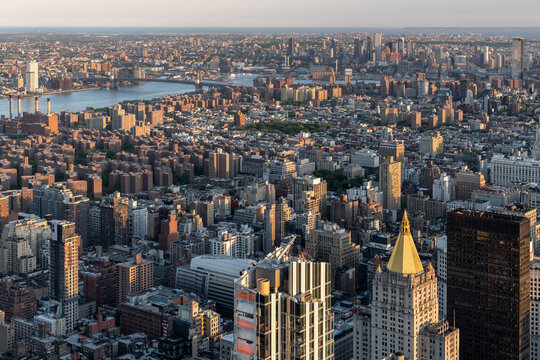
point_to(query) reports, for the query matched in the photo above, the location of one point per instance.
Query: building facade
(488, 280)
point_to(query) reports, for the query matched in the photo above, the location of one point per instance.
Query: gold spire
(404, 258)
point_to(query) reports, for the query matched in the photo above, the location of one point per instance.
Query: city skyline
(280, 13)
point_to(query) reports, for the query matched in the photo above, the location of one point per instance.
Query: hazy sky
(271, 13)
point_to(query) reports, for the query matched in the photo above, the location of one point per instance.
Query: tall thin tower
(517, 58)
(64, 269)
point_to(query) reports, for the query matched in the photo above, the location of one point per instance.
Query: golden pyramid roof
(404, 258)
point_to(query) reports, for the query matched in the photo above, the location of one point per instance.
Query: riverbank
(58, 92)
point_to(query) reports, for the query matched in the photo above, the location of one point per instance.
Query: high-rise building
(517, 58)
(75, 209)
(393, 148)
(431, 145)
(404, 313)
(282, 309)
(34, 230)
(269, 236)
(64, 269)
(488, 280)
(466, 183)
(333, 244)
(17, 300)
(536, 147)
(239, 119)
(378, 46)
(7, 335)
(205, 209)
(390, 183)
(535, 308)
(290, 47)
(48, 201)
(133, 276)
(357, 48)
(310, 183)
(283, 214)
(114, 218)
(31, 77)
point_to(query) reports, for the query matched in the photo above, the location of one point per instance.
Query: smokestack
(10, 107)
(19, 105)
(37, 104)
(48, 106)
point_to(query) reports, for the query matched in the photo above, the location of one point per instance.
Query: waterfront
(98, 98)
(80, 100)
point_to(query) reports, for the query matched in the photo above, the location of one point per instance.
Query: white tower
(31, 78)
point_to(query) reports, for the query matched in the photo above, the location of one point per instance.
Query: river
(80, 100)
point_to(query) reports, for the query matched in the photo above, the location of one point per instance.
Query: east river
(98, 98)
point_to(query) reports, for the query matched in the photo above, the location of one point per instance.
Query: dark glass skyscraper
(489, 283)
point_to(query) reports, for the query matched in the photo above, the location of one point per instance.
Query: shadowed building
(488, 276)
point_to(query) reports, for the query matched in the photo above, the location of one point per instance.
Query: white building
(444, 188)
(212, 276)
(431, 145)
(36, 231)
(139, 222)
(506, 170)
(230, 242)
(31, 77)
(365, 158)
(441, 275)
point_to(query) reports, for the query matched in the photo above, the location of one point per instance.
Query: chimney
(19, 105)
(37, 104)
(48, 106)
(10, 107)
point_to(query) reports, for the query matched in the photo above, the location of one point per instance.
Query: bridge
(199, 84)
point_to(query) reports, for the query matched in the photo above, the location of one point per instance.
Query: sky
(274, 13)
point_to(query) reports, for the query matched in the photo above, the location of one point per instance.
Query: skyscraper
(535, 308)
(536, 148)
(283, 214)
(31, 77)
(378, 46)
(404, 313)
(290, 47)
(76, 209)
(269, 228)
(488, 280)
(390, 183)
(133, 276)
(357, 48)
(282, 309)
(114, 221)
(64, 270)
(517, 58)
